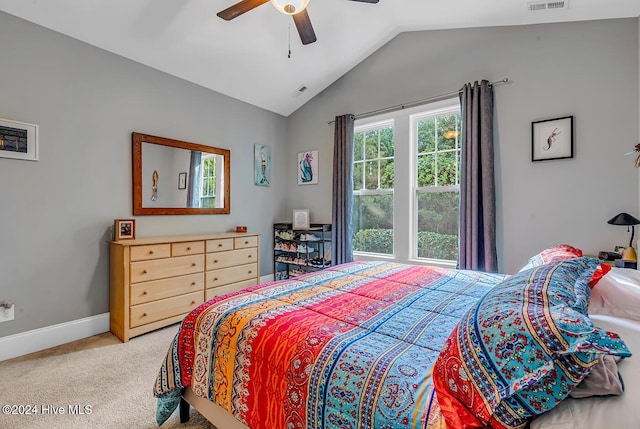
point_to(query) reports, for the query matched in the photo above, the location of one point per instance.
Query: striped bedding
(351, 346)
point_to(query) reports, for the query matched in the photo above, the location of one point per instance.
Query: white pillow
(617, 294)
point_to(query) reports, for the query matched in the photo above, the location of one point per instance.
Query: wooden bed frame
(217, 415)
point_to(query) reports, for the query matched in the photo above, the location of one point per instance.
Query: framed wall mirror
(173, 177)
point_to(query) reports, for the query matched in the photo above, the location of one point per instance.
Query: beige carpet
(115, 379)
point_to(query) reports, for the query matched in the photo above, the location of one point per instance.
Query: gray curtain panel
(477, 250)
(342, 248)
(193, 182)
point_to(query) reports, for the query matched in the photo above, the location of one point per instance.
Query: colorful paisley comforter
(351, 346)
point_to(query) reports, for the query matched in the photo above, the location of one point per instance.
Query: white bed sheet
(618, 412)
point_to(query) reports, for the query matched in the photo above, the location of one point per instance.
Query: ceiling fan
(296, 8)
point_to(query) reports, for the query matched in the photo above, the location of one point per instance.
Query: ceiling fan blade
(367, 1)
(239, 8)
(305, 29)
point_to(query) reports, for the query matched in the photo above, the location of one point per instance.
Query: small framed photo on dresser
(124, 229)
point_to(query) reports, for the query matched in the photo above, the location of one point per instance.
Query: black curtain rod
(417, 102)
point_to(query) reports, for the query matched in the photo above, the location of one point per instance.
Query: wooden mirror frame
(138, 209)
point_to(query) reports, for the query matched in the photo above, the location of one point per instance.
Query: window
(373, 173)
(406, 183)
(208, 184)
(437, 183)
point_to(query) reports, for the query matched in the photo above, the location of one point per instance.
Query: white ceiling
(246, 58)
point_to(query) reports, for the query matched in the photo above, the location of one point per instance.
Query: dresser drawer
(231, 275)
(219, 244)
(243, 242)
(187, 248)
(233, 287)
(230, 258)
(168, 307)
(165, 288)
(162, 268)
(152, 251)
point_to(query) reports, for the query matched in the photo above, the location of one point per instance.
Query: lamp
(290, 7)
(628, 220)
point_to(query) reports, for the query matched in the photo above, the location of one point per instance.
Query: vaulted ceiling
(248, 57)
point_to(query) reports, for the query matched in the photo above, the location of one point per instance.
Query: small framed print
(182, 180)
(125, 229)
(301, 219)
(18, 140)
(552, 139)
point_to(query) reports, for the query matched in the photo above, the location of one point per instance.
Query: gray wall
(56, 213)
(585, 69)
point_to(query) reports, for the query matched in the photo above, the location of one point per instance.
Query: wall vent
(547, 5)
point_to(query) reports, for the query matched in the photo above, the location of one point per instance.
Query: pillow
(610, 412)
(522, 348)
(559, 252)
(563, 252)
(600, 272)
(617, 294)
(603, 380)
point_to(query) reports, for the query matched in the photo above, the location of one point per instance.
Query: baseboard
(51, 336)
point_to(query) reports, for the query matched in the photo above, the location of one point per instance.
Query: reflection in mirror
(176, 177)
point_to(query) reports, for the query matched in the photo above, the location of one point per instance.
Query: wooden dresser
(155, 282)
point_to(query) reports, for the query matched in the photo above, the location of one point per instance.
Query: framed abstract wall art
(261, 165)
(308, 167)
(552, 139)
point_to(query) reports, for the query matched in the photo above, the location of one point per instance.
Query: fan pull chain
(289, 55)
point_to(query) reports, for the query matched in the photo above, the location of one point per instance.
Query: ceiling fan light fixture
(290, 7)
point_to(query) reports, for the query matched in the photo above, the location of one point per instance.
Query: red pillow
(598, 274)
(561, 252)
(556, 253)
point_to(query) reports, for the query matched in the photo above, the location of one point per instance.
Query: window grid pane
(373, 169)
(437, 186)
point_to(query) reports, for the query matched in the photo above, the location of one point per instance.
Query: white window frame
(452, 108)
(405, 189)
(368, 126)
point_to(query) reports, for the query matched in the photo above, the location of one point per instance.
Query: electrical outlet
(7, 314)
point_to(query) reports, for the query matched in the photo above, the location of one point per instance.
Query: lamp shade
(290, 7)
(623, 219)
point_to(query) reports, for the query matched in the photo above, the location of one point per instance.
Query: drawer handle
(250, 271)
(144, 271)
(192, 302)
(144, 293)
(246, 242)
(215, 279)
(188, 249)
(219, 244)
(193, 283)
(249, 256)
(150, 252)
(193, 264)
(144, 314)
(215, 261)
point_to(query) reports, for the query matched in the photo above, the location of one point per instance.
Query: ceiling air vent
(547, 5)
(299, 91)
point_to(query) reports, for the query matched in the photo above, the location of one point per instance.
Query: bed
(359, 345)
